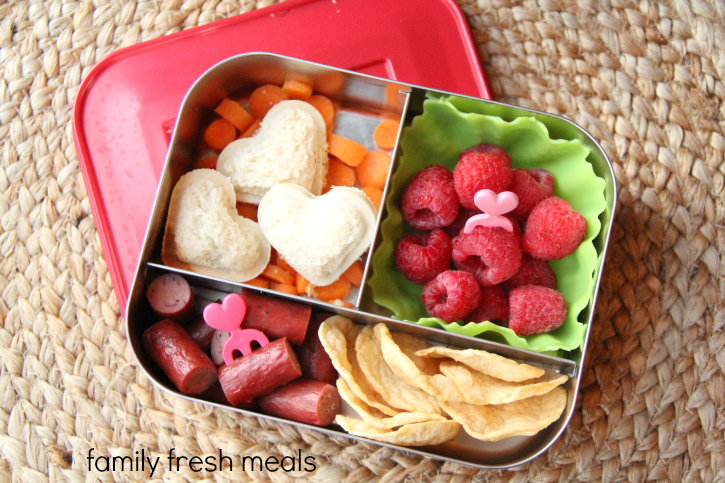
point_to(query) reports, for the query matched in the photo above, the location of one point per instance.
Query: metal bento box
(426, 116)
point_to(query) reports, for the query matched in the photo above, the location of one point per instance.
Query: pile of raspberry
(489, 274)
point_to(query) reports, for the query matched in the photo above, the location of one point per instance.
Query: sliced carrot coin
(302, 284)
(346, 150)
(336, 290)
(339, 174)
(325, 107)
(258, 282)
(340, 303)
(373, 171)
(247, 210)
(219, 133)
(354, 273)
(375, 194)
(252, 130)
(285, 288)
(295, 89)
(276, 274)
(233, 112)
(208, 162)
(386, 133)
(265, 98)
(279, 260)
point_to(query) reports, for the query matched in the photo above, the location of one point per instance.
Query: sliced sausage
(305, 401)
(260, 372)
(276, 318)
(170, 297)
(183, 361)
(219, 338)
(315, 362)
(202, 333)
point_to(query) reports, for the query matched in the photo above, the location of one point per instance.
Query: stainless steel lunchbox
(363, 101)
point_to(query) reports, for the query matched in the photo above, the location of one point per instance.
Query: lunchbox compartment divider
(558, 364)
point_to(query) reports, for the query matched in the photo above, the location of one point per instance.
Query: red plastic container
(126, 106)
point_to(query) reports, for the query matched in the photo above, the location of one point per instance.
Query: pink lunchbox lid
(126, 106)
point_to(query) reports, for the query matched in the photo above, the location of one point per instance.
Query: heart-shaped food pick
(291, 147)
(319, 236)
(493, 206)
(204, 233)
(229, 316)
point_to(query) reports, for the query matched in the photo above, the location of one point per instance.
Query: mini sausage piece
(183, 361)
(315, 362)
(202, 333)
(260, 372)
(276, 318)
(170, 297)
(305, 401)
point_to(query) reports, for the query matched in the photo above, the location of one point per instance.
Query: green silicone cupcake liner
(437, 137)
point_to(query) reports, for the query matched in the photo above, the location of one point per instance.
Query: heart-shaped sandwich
(204, 233)
(291, 147)
(319, 236)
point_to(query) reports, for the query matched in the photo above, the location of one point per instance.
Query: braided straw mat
(645, 78)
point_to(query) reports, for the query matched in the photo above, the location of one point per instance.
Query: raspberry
(486, 148)
(451, 296)
(430, 200)
(454, 229)
(533, 271)
(531, 186)
(481, 168)
(494, 306)
(553, 230)
(535, 310)
(492, 255)
(422, 256)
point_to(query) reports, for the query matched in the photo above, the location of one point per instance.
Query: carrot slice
(258, 282)
(336, 290)
(354, 273)
(330, 83)
(347, 151)
(339, 174)
(247, 210)
(206, 163)
(375, 194)
(386, 133)
(285, 288)
(233, 112)
(279, 260)
(339, 303)
(302, 284)
(219, 133)
(295, 89)
(325, 107)
(275, 274)
(373, 171)
(264, 98)
(252, 130)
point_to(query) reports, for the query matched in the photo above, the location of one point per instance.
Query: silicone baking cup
(447, 126)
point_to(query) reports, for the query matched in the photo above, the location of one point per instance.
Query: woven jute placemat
(645, 78)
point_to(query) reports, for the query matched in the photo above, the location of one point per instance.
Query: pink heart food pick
(493, 207)
(229, 316)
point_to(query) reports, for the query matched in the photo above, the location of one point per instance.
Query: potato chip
(417, 434)
(487, 363)
(478, 388)
(399, 352)
(391, 388)
(376, 418)
(520, 418)
(338, 335)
